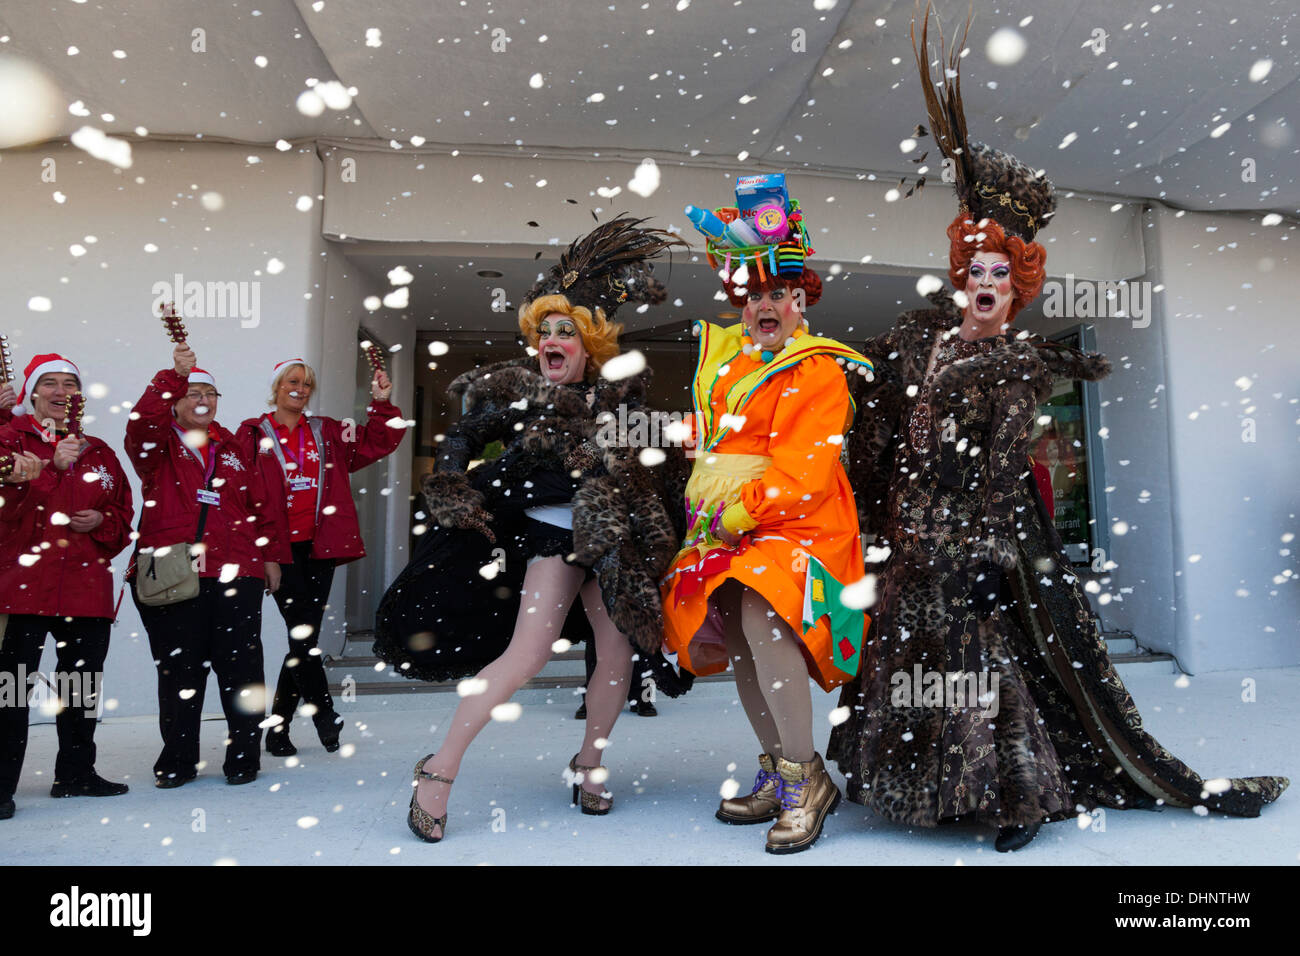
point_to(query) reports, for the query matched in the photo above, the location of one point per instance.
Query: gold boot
(808, 796)
(763, 804)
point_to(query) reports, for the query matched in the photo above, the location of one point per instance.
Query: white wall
(1233, 369)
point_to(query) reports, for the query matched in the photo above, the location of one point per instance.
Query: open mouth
(769, 326)
(554, 359)
(985, 301)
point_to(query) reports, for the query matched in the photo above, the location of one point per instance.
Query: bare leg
(607, 688)
(751, 697)
(782, 676)
(549, 588)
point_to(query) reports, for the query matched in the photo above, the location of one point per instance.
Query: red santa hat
(282, 367)
(47, 364)
(199, 376)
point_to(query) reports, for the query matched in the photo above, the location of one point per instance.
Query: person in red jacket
(65, 513)
(305, 461)
(200, 485)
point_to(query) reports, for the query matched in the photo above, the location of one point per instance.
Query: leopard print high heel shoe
(421, 821)
(589, 802)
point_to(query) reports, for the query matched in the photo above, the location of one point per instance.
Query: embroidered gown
(943, 477)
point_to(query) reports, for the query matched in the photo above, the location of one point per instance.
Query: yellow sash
(715, 483)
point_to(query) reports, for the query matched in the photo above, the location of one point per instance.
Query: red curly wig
(809, 281)
(1028, 259)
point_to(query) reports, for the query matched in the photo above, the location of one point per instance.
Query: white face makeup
(50, 396)
(771, 317)
(560, 352)
(989, 291)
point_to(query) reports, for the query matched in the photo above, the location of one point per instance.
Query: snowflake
(313, 456)
(231, 461)
(103, 476)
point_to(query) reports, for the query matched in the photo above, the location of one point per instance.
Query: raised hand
(183, 360)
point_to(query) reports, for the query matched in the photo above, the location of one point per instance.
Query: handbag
(170, 577)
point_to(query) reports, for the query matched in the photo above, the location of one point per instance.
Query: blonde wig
(599, 336)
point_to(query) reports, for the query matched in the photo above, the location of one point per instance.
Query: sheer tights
(549, 588)
(771, 676)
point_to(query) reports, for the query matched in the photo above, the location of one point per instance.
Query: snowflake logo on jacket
(313, 456)
(231, 461)
(103, 476)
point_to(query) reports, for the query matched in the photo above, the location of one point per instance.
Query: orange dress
(768, 439)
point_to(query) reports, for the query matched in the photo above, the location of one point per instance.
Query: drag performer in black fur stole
(568, 506)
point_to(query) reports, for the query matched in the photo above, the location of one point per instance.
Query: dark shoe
(92, 786)
(643, 708)
(1144, 802)
(170, 781)
(6, 809)
(243, 777)
(328, 730)
(278, 743)
(581, 712)
(1015, 838)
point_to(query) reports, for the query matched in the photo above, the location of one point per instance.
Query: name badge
(300, 484)
(206, 497)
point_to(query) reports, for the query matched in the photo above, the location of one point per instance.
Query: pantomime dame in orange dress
(772, 541)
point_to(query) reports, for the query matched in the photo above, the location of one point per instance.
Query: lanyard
(208, 466)
(301, 456)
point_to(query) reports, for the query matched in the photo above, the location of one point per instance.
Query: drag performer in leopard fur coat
(568, 508)
(986, 692)
(443, 618)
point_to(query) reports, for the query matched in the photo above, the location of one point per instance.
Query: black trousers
(304, 589)
(81, 644)
(222, 627)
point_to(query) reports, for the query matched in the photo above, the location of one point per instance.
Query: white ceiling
(1143, 112)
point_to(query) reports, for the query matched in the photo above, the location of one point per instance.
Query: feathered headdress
(991, 184)
(609, 266)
